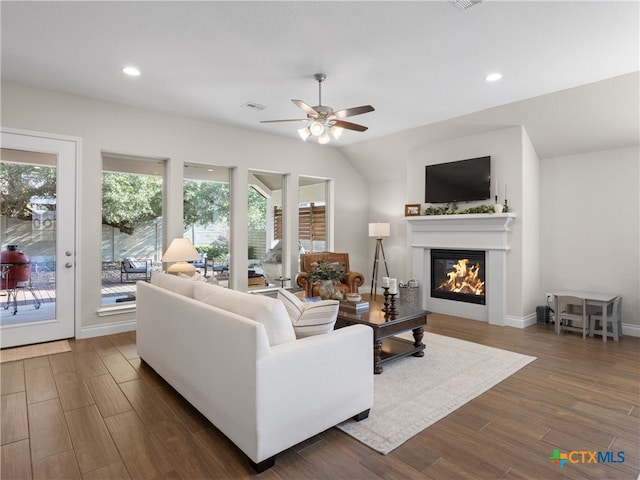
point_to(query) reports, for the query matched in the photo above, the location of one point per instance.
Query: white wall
(115, 128)
(386, 205)
(402, 182)
(530, 272)
(505, 146)
(581, 213)
(589, 229)
(589, 204)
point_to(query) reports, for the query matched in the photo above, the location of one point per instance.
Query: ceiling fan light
(304, 133)
(324, 138)
(336, 132)
(317, 128)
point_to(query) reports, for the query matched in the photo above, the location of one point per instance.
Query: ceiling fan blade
(306, 108)
(350, 112)
(350, 126)
(286, 120)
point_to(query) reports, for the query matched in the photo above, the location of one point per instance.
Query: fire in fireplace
(458, 275)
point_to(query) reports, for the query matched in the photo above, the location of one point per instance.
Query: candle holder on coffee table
(391, 309)
(386, 299)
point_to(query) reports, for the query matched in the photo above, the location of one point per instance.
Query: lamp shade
(304, 133)
(180, 250)
(179, 253)
(316, 128)
(379, 229)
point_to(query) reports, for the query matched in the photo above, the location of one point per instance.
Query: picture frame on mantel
(412, 210)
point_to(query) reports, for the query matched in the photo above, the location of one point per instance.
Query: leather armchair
(351, 280)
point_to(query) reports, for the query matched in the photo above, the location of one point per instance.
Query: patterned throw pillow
(309, 319)
(293, 304)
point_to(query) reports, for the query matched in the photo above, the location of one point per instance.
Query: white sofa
(241, 366)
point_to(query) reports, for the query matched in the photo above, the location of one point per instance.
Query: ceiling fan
(322, 119)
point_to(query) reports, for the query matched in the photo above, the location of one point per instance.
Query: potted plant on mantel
(325, 275)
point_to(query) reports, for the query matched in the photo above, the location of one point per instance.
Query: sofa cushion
(268, 311)
(183, 286)
(198, 277)
(312, 318)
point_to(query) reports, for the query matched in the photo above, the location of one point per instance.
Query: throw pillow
(314, 318)
(317, 318)
(268, 311)
(293, 304)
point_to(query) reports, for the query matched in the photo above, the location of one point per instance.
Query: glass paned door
(37, 233)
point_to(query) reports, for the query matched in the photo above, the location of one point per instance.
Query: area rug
(413, 393)
(30, 351)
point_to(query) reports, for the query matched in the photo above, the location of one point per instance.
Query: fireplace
(458, 275)
(476, 233)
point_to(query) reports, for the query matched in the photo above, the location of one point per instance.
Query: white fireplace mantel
(475, 231)
(487, 232)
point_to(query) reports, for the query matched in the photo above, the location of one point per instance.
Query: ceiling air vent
(464, 4)
(253, 106)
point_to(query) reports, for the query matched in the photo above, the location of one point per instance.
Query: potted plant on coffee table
(325, 275)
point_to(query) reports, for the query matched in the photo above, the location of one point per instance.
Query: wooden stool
(605, 318)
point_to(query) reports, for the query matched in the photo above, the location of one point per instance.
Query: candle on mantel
(393, 286)
(505, 191)
(385, 282)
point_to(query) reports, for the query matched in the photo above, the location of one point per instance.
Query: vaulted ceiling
(418, 62)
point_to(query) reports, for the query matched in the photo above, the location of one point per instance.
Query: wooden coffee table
(385, 348)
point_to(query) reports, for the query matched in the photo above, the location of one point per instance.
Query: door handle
(68, 253)
(68, 264)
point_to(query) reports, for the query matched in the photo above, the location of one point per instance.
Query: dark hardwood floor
(98, 412)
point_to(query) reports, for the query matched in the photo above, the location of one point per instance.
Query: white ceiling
(416, 62)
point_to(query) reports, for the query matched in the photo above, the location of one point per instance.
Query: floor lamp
(378, 230)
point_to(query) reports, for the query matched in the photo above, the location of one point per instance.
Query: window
(312, 214)
(265, 247)
(132, 197)
(207, 217)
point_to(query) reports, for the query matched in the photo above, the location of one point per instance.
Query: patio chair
(202, 263)
(131, 265)
(223, 268)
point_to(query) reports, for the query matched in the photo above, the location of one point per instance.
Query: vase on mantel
(326, 289)
(498, 207)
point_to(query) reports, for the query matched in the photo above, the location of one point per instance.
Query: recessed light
(493, 77)
(133, 71)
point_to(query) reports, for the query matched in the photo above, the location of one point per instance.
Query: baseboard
(631, 330)
(108, 329)
(520, 322)
(510, 321)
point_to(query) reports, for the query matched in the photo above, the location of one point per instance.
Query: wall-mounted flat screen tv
(460, 181)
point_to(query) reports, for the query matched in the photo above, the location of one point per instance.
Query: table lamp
(181, 251)
(378, 230)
